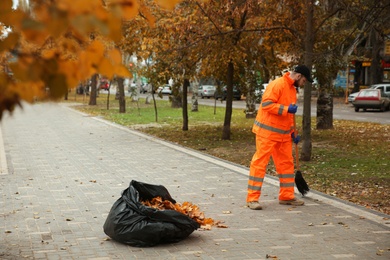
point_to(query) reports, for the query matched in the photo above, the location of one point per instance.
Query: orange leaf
(86, 66)
(129, 9)
(105, 67)
(145, 11)
(97, 47)
(115, 30)
(71, 71)
(12, 17)
(168, 4)
(48, 53)
(9, 42)
(115, 56)
(121, 70)
(125, 9)
(5, 6)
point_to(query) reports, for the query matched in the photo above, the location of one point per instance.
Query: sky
(15, 3)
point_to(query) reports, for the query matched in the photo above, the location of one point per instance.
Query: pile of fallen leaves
(187, 208)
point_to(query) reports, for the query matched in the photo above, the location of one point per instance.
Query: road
(341, 111)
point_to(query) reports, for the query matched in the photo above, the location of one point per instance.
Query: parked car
(385, 87)
(206, 91)
(371, 98)
(352, 97)
(104, 84)
(165, 89)
(222, 94)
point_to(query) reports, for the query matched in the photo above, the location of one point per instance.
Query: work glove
(292, 109)
(295, 139)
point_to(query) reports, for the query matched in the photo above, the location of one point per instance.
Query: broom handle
(296, 146)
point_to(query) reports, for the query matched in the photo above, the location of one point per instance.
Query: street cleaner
(274, 137)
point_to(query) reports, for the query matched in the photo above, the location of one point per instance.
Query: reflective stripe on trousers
(281, 153)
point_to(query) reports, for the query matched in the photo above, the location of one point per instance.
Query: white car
(352, 97)
(206, 91)
(385, 87)
(166, 89)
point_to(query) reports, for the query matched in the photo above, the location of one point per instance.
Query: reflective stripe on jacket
(272, 120)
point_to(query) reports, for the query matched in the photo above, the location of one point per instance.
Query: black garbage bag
(132, 223)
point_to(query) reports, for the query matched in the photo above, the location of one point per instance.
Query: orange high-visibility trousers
(281, 153)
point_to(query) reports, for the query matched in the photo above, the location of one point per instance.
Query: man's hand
(292, 109)
(295, 139)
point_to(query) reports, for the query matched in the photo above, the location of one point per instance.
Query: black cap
(302, 69)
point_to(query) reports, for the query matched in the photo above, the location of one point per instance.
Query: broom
(300, 182)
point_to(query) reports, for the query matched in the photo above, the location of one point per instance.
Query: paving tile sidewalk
(64, 170)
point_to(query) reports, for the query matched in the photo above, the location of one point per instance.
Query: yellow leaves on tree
(93, 60)
(187, 208)
(57, 44)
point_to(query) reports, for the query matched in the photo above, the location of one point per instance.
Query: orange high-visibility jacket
(272, 120)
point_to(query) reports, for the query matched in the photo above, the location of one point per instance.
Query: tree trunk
(375, 75)
(250, 111)
(121, 91)
(93, 94)
(194, 101)
(194, 98)
(147, 99)
(324, 109)
(108, 97)
(186, 84)
(306, 119)
(155, 106)
(358, 71)
(250, 101)
(229, 102)
(176, 101)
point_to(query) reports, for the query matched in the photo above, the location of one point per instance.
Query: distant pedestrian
(274, 136)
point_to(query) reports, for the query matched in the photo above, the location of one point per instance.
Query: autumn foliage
(51, 47)
(187, 208)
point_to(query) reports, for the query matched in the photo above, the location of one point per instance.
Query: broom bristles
(301, 184)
